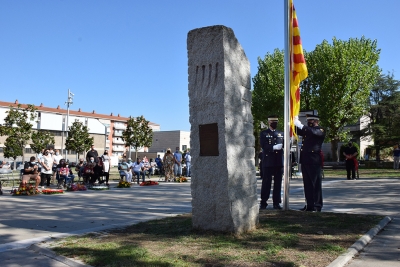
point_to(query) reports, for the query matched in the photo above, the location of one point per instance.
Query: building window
(1, 149)
(28, 150)
(184, 147)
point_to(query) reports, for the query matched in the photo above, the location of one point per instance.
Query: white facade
(105, 129)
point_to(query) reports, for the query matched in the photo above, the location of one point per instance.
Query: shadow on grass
(282, 239)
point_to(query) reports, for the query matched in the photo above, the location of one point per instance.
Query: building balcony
(118, 141)
(118, 148)
(117, 134)
(119, 126)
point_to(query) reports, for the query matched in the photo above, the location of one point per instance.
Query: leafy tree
(137, 133)
(17, 127)
(340, 78)
(268, 93)
(384, 113)
(41, 140)
(78, 139)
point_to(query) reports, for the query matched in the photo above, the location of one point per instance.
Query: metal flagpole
(68, 103)
(286, 154)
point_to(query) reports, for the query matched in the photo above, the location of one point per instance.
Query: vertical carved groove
(216, 74)
(209, 88)
(203, 69)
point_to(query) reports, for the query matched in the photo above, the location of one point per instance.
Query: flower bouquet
(25, 190)
(52, 191)
(148, 183)
(76, 187)
(181, 179)
(123, 184)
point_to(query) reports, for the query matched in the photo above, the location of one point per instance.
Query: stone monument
(223, 182)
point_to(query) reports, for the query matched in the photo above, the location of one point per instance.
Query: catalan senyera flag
(298, 68)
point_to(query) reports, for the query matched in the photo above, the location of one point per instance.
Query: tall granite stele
(223, 182)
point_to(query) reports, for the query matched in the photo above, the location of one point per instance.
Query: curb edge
(360, 244)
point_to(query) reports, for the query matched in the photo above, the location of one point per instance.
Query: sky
(129, 57)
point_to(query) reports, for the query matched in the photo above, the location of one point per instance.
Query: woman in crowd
(88, 172)
(63, 174)
(47, 168)
(106, 165)
(79, 168)
(98, 171)
(168, 164)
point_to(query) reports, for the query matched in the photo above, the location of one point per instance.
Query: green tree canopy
(340, 78)
(137, 133)
(384, 113)
(17, 127)
(78, 139)
(40, 140)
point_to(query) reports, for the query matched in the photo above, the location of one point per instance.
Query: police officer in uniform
(310, 159)
(271, 141)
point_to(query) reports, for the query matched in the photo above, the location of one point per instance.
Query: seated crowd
(51, 166)
(139, 168)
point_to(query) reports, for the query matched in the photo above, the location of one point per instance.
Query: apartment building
(170, 139)
(105, 129)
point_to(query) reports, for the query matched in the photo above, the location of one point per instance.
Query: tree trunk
(334, 150)
(378, 153)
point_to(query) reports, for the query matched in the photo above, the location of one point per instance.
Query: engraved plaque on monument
(208, 135)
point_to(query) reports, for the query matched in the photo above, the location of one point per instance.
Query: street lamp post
(68, 103)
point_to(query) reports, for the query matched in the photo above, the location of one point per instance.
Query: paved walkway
(27, 221)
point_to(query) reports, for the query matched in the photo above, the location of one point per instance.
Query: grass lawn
(364, 173)
(283, 238)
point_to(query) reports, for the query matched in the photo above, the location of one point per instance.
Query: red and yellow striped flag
(298, 68)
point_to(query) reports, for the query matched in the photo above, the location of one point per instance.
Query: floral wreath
(147, 183)
(181, 179)
(52, 191)
(123, 184)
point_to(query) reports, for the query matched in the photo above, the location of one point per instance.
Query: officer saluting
(271, 141)
(310, 159)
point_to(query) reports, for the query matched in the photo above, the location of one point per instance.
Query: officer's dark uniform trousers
(310, 159)
(272, 162)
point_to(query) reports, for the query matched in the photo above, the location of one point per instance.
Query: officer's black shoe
(304, 209)
(277, 207)
(312, 210)
(317, 209)
(263, 206)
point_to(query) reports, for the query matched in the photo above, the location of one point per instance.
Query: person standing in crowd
(310, 159)
(153, 166)
(92, 153)
(159, 163)
(271, 141)
(56, 160)
(47, 168)
(350, 152)
(396, 157)
(188, 160)
(178, 163)
(168, 163)
(106, 166)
